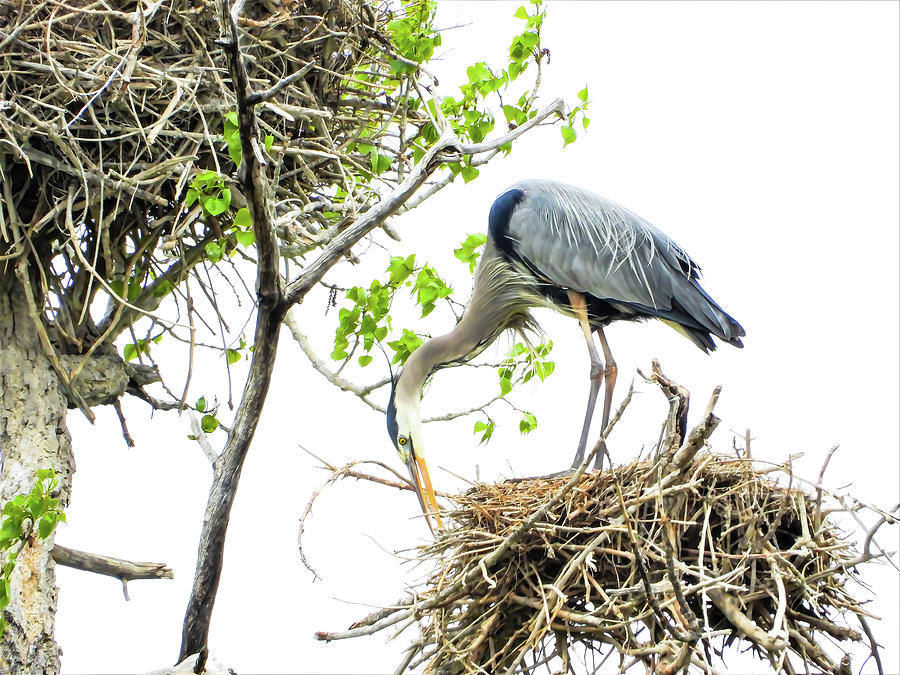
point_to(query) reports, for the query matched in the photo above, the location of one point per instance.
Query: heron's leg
(609, 374)
(579, 304)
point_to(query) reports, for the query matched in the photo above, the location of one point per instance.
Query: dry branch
(124, 570)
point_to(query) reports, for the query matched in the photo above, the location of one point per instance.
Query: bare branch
(125, 570)
(270, 311)
(319, 364)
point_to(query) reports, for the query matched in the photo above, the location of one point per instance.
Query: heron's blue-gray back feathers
(578, 240)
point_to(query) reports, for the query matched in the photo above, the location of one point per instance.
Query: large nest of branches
(618, 564)
(660, 564)
(110, 110)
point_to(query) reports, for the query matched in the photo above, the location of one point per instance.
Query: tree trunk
(33, 436)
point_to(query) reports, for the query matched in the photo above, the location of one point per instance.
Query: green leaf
(268, 141)
(242, 219)
(209, 424)
(544, 369)
(429, 287)
(469, 173)
(357, 294)
(505, 386)
(232, 356)
(521, 13)
(479, 72)
(46, 525)
(35, 503)
(245, 238)
(200, 405)
(134, 286)
(400, 268)
(235, 151)
(215, 251)
(205, 179)
(379, 163)
(468, 252)
(405, 346)
(568, 134)
(218, 205)
(585, 122)
(583, 94)
(130, 352)
(9, 530)
(486, 429)
(528, 423)
(365, 360)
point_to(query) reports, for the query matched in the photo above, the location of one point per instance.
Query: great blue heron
(552, 244)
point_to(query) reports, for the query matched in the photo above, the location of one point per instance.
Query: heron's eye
(402, 440)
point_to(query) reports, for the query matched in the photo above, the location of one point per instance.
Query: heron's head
(404, 426)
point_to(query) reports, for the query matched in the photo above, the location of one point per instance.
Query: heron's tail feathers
(699, 337)
(699, 317)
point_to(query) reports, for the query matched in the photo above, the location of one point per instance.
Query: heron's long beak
(421, 481)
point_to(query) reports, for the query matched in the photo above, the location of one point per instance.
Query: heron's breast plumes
(505, 291)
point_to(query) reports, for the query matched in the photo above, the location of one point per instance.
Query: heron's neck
(457, 345)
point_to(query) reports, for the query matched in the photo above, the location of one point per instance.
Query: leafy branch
(20, 514)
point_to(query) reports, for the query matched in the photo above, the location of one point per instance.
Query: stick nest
(110, 109)
(661, 563)
(722, 552)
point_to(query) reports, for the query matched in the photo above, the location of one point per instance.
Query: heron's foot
(602, 453)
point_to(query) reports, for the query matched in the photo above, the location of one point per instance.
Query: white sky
(763, 137)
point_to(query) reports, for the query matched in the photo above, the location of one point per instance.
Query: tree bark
(33, 436)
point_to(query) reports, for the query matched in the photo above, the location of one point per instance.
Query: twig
(129, 441)
(202, 440)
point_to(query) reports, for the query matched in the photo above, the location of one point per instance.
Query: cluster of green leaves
(486, 429)
(519, 366)
(469, 114)
(568, 131)
(413, 36)
(367, 317)
(208, 187)
(234, 355)
(405, 345)
(20, 514)
(429, 288)
(209, 422)
(523, 363)
(211, 191)
(363, 318)
(214, 196)
(472, 114)
(469, 251)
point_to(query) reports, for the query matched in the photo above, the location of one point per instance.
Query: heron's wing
(578, 240)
